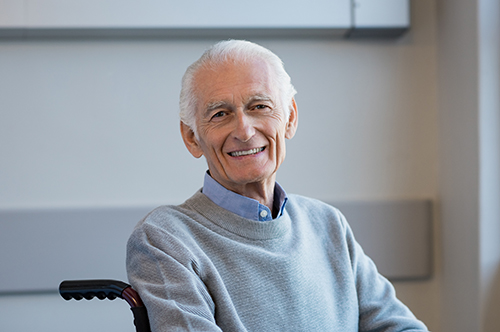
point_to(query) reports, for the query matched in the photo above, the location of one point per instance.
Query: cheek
(279, 144)
(211, 139)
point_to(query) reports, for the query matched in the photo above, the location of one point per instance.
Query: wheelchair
(108, 289)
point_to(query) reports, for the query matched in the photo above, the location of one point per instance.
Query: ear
(293, 120)
(190, 141)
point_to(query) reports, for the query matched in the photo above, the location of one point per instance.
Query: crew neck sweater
(199, 267)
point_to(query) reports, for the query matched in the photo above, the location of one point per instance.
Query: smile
(245, 153)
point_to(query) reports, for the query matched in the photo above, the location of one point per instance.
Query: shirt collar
(243, 206)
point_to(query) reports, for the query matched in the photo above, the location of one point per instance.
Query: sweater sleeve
(167, 278)
(379, 309)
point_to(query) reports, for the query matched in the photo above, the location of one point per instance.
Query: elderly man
(241, 254)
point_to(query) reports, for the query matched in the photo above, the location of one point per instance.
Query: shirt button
(263, 213)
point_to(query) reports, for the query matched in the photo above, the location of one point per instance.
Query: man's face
(241, 124)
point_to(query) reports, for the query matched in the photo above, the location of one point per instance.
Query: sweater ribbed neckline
(231, 222)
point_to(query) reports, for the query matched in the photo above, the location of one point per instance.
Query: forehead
(234, 79)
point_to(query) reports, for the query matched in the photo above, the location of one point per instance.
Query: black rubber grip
(88, 289)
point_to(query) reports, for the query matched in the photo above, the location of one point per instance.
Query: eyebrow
(215, 105)
(212, 106)
(259, 97)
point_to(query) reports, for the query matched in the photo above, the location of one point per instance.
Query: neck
(263, 192)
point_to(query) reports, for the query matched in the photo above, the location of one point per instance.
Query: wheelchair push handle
(108, 289)
(102, 289)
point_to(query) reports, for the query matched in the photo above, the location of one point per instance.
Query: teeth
(246, 153)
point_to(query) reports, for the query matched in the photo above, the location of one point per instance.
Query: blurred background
(91, 121)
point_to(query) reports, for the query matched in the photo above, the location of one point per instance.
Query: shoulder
(168, 216)
(315, 211)
(168, 222)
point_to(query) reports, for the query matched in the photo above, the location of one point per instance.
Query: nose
(244, 129)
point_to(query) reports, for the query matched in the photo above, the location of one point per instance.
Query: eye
(261, 107)
(219, 114)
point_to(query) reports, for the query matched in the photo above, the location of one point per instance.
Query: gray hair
(236, 50)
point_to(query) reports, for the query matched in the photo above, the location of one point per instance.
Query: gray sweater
(199, 267)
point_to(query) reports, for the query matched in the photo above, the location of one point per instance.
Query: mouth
(246, 153)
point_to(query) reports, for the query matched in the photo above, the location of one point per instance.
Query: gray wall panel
(40, 248)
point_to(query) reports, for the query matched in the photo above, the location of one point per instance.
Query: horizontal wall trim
(209, 32)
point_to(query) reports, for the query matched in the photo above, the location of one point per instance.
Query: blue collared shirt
(243, 206)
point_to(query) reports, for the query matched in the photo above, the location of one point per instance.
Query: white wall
(94, 123)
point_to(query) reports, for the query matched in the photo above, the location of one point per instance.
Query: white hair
(237, 51)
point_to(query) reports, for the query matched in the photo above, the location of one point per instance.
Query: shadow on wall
(492, 312)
